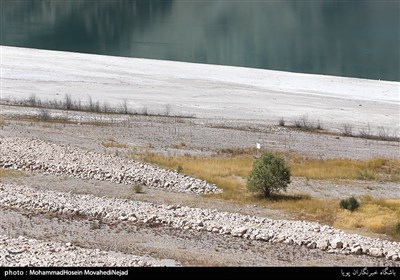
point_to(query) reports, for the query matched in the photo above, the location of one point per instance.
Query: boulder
(239, 231)
(323, 245)
(336, 243)
(376, 252)
(356, 250)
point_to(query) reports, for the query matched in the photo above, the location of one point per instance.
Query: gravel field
(201, 136)
(300, 233)
(99, 216)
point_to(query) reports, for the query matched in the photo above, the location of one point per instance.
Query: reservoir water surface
(352, 38)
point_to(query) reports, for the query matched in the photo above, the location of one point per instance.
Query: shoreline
(207, 91)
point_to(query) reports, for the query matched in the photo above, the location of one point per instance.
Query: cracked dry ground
(121, 242)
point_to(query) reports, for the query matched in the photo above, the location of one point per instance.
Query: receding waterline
(341, 38)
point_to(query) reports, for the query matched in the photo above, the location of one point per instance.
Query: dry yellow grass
(373, 169)
(240, 165)
(222, 171)
(379, 216)
(9, 173)
(229, 173)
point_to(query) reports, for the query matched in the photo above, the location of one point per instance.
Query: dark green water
(345, 38)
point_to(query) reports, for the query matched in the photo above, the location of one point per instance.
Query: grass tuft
(137, 188)
(10, 173)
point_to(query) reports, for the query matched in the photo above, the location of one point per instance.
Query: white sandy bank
(200, 89)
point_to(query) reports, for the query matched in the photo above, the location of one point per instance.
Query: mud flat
(199, 89)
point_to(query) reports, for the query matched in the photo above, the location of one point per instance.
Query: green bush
(349, 204)
(397, 228)
(269, 174)
(179, 169)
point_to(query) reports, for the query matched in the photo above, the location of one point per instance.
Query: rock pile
(301, 233)
(30, 252)
(35, 155)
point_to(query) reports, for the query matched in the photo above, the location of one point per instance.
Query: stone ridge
(301, 233)
(22, 251)
(48, 158)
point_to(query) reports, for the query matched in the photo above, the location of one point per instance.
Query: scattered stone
(312, 245)
(356, 250)
(47, 253)
(323, 245)
(239, 231)
(376, 252)
(60, 160)
(336, 243)
(390, 254)
(187, 218)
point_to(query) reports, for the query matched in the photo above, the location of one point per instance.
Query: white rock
(390, 254)
(312, 245)
(336, 243)
(239, 231)
(323, 245)
(356, 250)
(376, 252)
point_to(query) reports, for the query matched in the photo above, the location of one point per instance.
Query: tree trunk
(267, 192)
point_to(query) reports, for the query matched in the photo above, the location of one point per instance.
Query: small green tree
(269, 174)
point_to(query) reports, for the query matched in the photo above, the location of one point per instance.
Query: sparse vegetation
(229, 173)
(10, 173)
(180, 145)
(304, 123)
(397, 228)
(281, 122)
(238, 162)
(365, 132)
(269, 175)
(110, 142)
(137, 188)
(383, 134)
(319, 125)
(236, 151)
(125, 107)
(349, 204)
(44, 115)
(68, 103)
(143, 111)
(179, 169)
(372, 169)
(95, 225)
(380, 216)
(347, 129)
(168, 110)
(32, 100)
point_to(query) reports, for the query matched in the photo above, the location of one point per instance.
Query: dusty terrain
(154, 240)
(207, 91)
